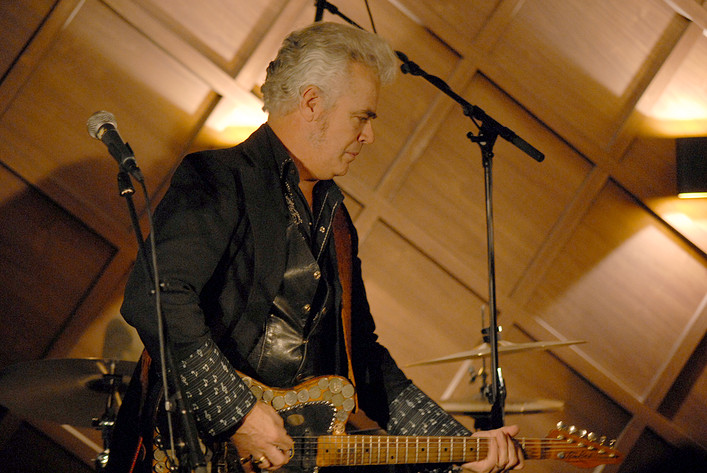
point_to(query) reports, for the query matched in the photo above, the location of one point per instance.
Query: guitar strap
(344, 255)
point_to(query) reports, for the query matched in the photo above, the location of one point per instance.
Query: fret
(464, 454)
(379, 450)
(348, 450)
(477, 448)
(370, 450)
(417, 449)
(428, 450)
(439, 450)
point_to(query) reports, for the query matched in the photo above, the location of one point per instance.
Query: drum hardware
(479, 406)
(504, 347)
(68, 391)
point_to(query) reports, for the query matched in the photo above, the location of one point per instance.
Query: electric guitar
(315, 414)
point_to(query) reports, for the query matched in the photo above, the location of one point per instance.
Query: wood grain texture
(590, 243)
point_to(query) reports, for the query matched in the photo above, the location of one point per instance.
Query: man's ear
(311, 103)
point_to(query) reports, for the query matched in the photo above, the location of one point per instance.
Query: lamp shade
(691, 157)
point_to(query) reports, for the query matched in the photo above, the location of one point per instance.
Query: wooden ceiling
(591, 243)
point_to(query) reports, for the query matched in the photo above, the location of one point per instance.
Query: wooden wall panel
(647, 169)
(18, 22)
(413, 301)
(49, 261)
(680, 99)
(684, 403)
(551, 44)
(538, 375)
(220, 26)
(624, 283)
(31, 450)
(403, 104)
(577, 250)
(653, 455)
(223, 30)
(446, 185)
(448, 12)
(99, 62)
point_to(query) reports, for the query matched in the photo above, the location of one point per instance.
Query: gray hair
(321, 55)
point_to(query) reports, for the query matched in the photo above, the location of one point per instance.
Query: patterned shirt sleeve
(412, 412)
(218, 397)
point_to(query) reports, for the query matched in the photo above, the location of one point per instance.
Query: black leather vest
(299, 340)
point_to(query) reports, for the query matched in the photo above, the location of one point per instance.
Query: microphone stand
(324, 5)
(191, 458)
(489, 131)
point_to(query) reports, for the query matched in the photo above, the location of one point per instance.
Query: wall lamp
(691, 157)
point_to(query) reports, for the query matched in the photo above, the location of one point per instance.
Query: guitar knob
(592, 437)
(572, 429)
(602, 440)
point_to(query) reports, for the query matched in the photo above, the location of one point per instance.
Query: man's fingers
(503, 452)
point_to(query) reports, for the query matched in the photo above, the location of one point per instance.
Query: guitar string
(342, 445)
(435, 440)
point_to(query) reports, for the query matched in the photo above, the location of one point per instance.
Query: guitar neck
(358, 450)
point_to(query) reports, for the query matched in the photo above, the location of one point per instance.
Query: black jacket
(220, 232)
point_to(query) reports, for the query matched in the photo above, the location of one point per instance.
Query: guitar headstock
(581, 448)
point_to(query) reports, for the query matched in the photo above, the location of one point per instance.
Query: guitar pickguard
(310, 397)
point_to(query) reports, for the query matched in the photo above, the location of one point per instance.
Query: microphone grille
(97, 120)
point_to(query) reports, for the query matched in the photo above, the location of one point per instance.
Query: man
(257, 259)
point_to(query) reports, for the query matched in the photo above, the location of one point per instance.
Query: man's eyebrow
(370, 114)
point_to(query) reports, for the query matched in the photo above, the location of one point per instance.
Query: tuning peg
(561, 425)
(612, 442)
(592, 437)
(572, 429)
(602, 440)
(582, 433)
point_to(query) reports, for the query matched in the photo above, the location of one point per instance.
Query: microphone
(102, 126)
(321, 5)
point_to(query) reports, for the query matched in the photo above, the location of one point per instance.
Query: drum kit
(76, 392)
(87, 392)
(479, 406)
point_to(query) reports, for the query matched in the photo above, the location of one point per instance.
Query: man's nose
(367, 136)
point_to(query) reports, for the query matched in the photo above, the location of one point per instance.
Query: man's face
(341, 130)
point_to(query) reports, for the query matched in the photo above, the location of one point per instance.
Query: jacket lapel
(268, 219)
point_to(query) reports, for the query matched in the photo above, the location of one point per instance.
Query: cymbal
(66, 391)
(517, 406)
(484, 350)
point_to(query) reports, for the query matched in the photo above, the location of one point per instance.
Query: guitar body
(318, 407)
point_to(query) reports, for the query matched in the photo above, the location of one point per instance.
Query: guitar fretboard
(358, 450)
(352, 450)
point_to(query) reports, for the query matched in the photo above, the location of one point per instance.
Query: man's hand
(261, 441)
(503, 454)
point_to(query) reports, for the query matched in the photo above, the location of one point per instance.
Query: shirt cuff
(412, 412)
(218, 398)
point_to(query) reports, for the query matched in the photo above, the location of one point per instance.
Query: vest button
(306, 308)
(317, 274)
